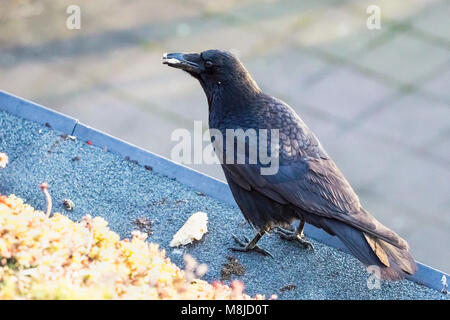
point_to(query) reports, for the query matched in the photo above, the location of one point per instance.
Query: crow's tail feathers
(394, 262)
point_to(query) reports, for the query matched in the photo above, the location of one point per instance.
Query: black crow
(307, 186)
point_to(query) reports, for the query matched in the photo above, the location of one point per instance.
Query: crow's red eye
(208, 64)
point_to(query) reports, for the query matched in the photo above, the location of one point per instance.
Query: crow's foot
(294, 236)
(248, 246)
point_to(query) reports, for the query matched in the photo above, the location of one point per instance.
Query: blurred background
(379, 100)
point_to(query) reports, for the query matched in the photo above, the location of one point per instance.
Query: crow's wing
(315, 186)
(308, 179)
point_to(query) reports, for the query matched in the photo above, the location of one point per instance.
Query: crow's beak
(186, 61)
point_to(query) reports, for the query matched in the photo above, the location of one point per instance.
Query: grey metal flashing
(217, 189)
(35, 112)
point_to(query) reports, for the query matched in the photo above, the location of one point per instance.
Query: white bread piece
(194, 229)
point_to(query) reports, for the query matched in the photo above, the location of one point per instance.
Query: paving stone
(285, 72)
(439, 86)
(395, 10)
(345, 93)
(325, 129)
(31, 22)
(109, 113)
(36, 83)
(405, 58)
(429, 243)
(397, 217)
(444, 210)
(351, 45)
(264, 11)
(412, 120)
(337, 31)
(238, 39)
(361, 158)
(435, 21)
(441, 149)
(415, 182)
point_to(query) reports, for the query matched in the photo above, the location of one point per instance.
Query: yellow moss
(56, 258)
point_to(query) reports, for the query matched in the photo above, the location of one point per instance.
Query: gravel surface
(125, 194)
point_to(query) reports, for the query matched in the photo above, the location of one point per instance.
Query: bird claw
(293, 236)
(284, 233)
(244, 247)
(240, 242)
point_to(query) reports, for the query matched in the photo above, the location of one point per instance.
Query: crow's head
(213, 68)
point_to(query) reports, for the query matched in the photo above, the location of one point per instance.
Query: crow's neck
(231, 96)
